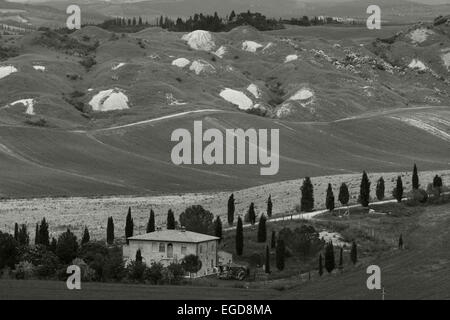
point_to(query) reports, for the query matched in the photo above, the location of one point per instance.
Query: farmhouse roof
(174, 236)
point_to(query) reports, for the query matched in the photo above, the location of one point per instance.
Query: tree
(86, 237)
(151, 222)
(138, 255)
(44, 237)
(53, 244)
(329, 257)
(415, 178)
(251, 215)
(354, 253)
(129, 226)
(23, 238)
(239, 237)
(110, 231)
(437, 185)
(280, 254)
(344, 195)
(197, 219)
(191, 263)
(400, 242)
(16, 231)
(231, 209)
(364, 190)
(67, 247)
(398, 190)
(380, 189)
(262, 232)
(218, 228)
(329, 202)
(267, 264)
(320, 265)
(36, 234)
(273, 240)
(307, 200)
(8, 251)
(341, 258)
(269, 206)
(171, 223)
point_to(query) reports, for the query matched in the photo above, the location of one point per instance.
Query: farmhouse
(169, 246)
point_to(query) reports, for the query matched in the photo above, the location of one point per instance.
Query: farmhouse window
(162, 247)
(183, 250)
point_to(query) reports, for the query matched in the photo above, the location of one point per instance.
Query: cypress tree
(129, 226)
(267, 264)
(86, 237)
(307, 200)
(239, 237)
(437, 184)
(354, 253)
(269, 206)
(341, 258)
(344, 195)
(231, 209)
(329, 257)
(415, 178)
(36, 234)
(329, 202)
(398, 190)
(273, 240)
(280, 254)
(53, 244)
(110, 231)
(320, 265)
(251, 214)
(170, 220)
(380, 189)
(16, 231)
(138, 255)
(44, 237)
(400, 242)
(218, 228)
(151, 222)
(23, 238)
(262, 233)
(364, 191)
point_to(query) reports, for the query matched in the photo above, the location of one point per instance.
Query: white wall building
(168, 246)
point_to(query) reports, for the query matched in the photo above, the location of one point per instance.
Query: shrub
(136, 271)
(67, 247)
(418, 195)
(114, 267)
(88, 62)
(154, 274)
(48, 265)
(8, 251)
(24, 270)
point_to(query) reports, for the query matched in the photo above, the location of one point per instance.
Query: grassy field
(419, 271)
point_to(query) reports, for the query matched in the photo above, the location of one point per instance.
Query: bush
(154, 274)
(417, 196)
(8, 251)
(114, 267)
(24, 270)
(48, 265)
(88, 62)
(87, 273)
(67, 247)
(136, 271)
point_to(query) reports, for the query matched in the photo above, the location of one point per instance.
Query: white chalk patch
(199, 40)
(302, 94)
(291, 57)
(416, 64)
(6, 71)
(108, 100)
(267, 46)
(172, 101)
(221, 52)
(420, 35)
(446, 60)
(39, 68)
(251, 46)
(181, 62)
(237, 98)
(334, 237)
(254, 90)
(201, 66)
(117, 66)
(28, 103)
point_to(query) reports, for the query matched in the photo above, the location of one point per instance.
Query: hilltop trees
(398, 190)
(329, 257)
(43, 237)
(415, 178)
(16, 231)
(231, 209)
(262, 233)
(364, 190)
(151, 222)
(86, 237)
(280, 254)
(197, 219)
(129, 226)
(239, 237)
(329, 202)
(380, 189)
(218, 228)
(354, 253)
(251, 214)
(110, 231)
(307, 200)
(21, 235)
(67, 247)
(171, 223)
(269, 206)
(344, 195)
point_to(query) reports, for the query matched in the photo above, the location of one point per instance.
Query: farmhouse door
(169, 250)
